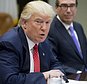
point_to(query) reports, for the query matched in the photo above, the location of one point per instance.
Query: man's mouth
(42, 34)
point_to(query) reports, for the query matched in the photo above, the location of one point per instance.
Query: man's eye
(47, 22)
(73, 5)
(66, 5)
(39, 21)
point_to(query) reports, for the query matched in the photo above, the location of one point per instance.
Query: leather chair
(6, 22)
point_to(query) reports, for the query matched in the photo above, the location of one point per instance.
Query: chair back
(6, 22)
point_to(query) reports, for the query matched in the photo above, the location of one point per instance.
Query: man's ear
(56, 9)
(23, 22)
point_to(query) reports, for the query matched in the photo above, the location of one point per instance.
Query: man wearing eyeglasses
(70, 47)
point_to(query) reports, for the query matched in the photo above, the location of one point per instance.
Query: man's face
(66, 10)
(37, 27)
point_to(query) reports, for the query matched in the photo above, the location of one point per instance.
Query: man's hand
(52, 73)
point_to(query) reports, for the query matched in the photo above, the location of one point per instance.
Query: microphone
(65, 79)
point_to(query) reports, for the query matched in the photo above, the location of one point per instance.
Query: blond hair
(40, 7)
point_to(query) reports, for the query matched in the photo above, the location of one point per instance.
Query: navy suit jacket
(15, 59)
(64, 48)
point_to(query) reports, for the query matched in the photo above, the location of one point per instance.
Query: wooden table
(81, 76)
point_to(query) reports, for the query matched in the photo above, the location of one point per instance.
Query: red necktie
(36, 59)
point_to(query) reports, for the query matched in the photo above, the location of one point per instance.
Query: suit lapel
(66, 35)
(41, 52)
(44, 58)
(81, 39)
(26, 54)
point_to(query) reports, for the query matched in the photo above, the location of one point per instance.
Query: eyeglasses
(66, 6)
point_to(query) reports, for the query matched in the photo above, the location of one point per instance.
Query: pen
(65, 79)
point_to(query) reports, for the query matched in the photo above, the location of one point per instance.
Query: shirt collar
(30, 43)
(65, 25)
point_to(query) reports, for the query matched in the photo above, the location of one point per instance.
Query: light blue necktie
(75, 40)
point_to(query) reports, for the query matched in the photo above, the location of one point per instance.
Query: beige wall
(81, 13)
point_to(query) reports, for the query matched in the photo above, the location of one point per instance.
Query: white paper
(61, 81)
(74, 82)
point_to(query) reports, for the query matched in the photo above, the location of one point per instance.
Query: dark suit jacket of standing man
(64, 47)
(15, 59)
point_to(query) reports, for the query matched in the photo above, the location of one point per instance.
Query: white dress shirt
(31, 45)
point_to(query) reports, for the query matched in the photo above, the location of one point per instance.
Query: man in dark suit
(62, 43)
(17, 65)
